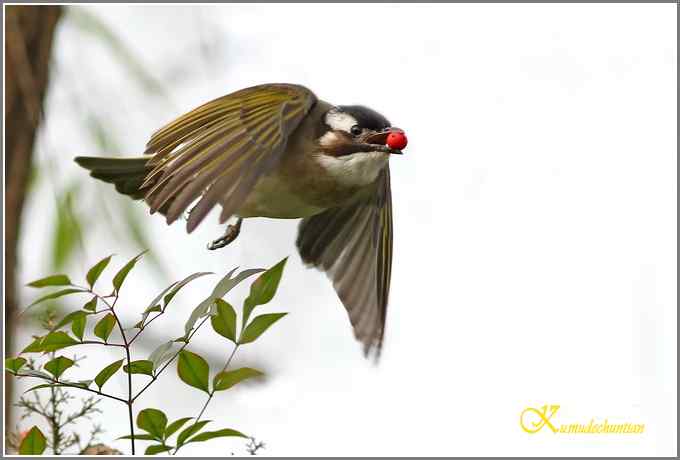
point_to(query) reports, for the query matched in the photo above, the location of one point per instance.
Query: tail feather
(127, 174)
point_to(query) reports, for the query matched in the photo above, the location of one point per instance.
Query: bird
(277, 151)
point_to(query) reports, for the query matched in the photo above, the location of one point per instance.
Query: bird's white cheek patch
(357, 169)
(330, 138)
(340, 121)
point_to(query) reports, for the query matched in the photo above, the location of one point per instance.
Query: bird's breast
(359, 169)
(274, 196)
(305, 185)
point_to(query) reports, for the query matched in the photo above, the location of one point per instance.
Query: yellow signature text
(534, 419)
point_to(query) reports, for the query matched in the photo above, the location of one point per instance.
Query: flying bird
(277, 151)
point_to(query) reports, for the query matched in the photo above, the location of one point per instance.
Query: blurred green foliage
(90, 24)
(67, 233)
(70, 230)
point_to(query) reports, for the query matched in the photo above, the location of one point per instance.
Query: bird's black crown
(367, 118)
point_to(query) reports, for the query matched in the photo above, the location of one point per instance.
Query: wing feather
(353, 245)
(217, 152)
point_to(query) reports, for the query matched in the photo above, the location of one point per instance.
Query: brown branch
(28, 45)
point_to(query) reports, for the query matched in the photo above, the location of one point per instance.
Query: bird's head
(355, 143)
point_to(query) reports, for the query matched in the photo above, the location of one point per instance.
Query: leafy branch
(191, 367)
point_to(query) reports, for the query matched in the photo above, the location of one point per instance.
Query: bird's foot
(233, 230)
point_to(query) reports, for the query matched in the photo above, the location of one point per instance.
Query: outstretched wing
(353, 245)
(219, 150)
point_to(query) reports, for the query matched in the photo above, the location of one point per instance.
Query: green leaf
(140, 436)
(216, 434)
(228, 283)
(153, 421)
(224, 321)
(167, 295)
(44, 385)
(263, 289)
(221, 289)
(107, 373)
(161, 354)
(180, 285)
(145, 315)
(193, 370)
(157, 449)
(35, 346)
(68, 319)
(200, 311)
(227, 379)
(82, 384)
(55, 295)
(190, 431)
(156, 302)
(14, 364)
(57, 340)
(257, 327)
(78, 326)
(141, 366)
(104, 327)
(58, 365)
(91, 305)
(34, 443)
(95, 272)
(123, 272)
(176, 425)
(54, 280)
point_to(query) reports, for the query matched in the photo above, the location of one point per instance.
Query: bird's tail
(127, 174)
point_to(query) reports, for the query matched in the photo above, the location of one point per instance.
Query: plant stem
(212, 392)
(144, 326)
(205, 406)
(230, 358)
(129, 400)
(97, 342)
(132, 426)
(129, 360)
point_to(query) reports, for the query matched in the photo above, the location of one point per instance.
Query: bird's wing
(219, 150)
(353, 245)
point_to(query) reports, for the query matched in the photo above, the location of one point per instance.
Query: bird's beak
(381, 139)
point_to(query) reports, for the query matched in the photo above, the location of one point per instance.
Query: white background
(535, 222)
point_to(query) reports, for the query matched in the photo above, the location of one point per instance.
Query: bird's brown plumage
(218, 153)
(219, 150)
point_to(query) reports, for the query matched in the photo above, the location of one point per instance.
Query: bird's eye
(355, 130)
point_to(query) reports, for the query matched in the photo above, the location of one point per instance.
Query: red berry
(397, 140)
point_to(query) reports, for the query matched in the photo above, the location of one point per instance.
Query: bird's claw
(229, 236)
